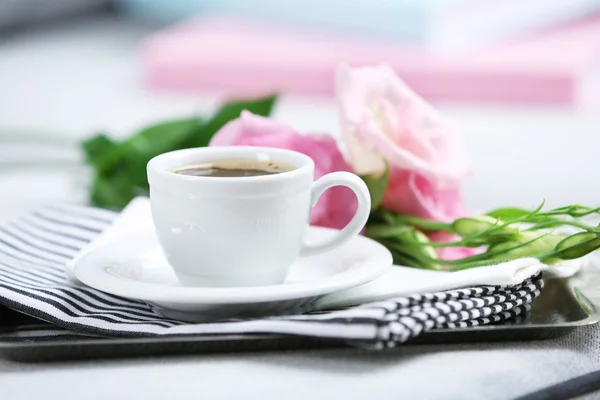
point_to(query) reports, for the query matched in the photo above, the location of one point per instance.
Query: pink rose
(409, 192)
(383, 119)
(336, 206)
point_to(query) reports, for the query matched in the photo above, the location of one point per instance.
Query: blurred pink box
(241, 58)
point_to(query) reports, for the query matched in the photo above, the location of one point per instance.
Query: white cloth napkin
(35, 247)
(136, 219)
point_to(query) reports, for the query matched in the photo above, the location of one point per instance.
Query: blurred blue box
(436, 24)
(395, 18)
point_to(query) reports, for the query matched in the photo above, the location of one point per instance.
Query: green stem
(403, 259)
(423, 223)
(392, 232)
(460, 243)
(384, 231)
(550, 224)
(421, 261)
(417, 253)
(487, 255)
(572, 211)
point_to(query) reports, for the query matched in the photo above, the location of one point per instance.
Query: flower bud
(577, 245)
(528, 244)
(412, 235)
(418, 250)
(471, 226)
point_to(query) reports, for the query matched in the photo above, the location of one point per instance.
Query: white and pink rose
(382, 122)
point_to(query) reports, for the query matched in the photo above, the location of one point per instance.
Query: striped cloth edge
(35, 248)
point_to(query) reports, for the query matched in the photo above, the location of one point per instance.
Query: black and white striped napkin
(35, 249)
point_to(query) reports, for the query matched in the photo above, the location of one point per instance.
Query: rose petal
(248, 124)
(412, 193)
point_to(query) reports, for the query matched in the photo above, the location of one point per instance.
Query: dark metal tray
(563, 306)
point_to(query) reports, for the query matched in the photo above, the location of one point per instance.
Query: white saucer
(136, 268)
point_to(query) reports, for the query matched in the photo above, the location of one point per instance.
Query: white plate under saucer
(137, 269)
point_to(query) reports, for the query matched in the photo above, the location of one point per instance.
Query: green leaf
(229, 112)
(163, 137)
(96, 148)
(513, 214)
(120, 167)
(115, 192)
(377, 183)
(508, 213)
(105, 154)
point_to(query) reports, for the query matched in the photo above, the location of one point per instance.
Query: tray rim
(162, 339)
(592, 309)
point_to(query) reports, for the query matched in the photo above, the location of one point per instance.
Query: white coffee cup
(241, 231)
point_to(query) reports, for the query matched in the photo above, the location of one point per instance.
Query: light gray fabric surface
(481, 371)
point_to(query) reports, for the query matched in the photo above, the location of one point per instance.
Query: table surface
(62, 83)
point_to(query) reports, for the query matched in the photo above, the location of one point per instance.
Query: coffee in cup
(235, 168)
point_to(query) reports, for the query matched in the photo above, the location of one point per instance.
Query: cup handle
(360, 217)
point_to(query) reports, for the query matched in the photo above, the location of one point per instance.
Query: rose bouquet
(411, 158)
